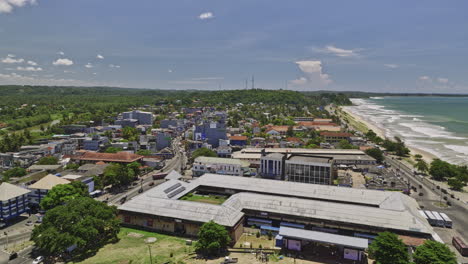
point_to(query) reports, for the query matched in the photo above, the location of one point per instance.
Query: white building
(13, 201)
(223, 166)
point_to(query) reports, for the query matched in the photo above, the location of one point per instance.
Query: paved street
(458, 211)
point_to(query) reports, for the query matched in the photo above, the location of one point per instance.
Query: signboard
(351, 254)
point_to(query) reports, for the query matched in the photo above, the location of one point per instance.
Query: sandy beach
(428, 157)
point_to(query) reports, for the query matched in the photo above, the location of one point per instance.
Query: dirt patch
(131, 234)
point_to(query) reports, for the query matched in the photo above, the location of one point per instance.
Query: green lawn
(134, 250)
(212, 199)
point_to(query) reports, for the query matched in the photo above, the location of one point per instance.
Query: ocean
(437, 125)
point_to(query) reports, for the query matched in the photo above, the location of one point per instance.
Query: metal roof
(9, 191)
(379, 209)
(48, 182)
(214, 160)
(347, 241)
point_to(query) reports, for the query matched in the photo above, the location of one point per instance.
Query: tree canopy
(13, 172)
(48, 160)
(375, 153)
(63, 193)
(203, 152)
(119, 174)
(387, 248)
(433, 252)
(212, 238)
(83, 222)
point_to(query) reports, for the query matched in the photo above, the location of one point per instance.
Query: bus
(440, 221)
(460, 246)
(447, 220)
(159, 176)
(431, 218)
(423, 215)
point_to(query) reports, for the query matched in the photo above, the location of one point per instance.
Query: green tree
(421, 165)
(63, 193)
(72, 166)
(433, 252)
(375, 153)
(455, 184)
(212, 239)
(135, 167)
(418, 156)
(84, 222)
(387, 248)
(440, 170)
(117, 174)
(13, 172)
(113, 150)
(344, 144)
(48, 160)
(144, 152)
(290, 131)
(203, 152)
(130, 133)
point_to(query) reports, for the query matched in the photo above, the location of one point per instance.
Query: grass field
(133, 249)
(212, 199)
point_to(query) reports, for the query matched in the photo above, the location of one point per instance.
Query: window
(127, 219)
(149, 222)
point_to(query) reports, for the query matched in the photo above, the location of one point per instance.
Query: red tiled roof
(125, 157)
(294, 139)
(311, 123)
(336, 134)
(238, 138)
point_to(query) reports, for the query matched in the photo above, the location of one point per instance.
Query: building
(238, 140)
(143, 118)
(40, 188)
(163, 140)
(309, 169)
(336, 137)
(348, 157)
(94, 143)
(13, 201)
(272, 166)
(223, 166)
(127, 122)
(211, 132)
(303, 118)
(320, 126)
(90, 169)
(119, 157)
(224, 151)
(89, 181)
(345, 212)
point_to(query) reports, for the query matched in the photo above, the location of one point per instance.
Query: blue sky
(396, 46)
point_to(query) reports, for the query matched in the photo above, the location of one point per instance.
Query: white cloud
(425, 78)
(11, 55)
(114, 66)
(169, 71)
(99, 56)
(61, 53)
(63, 62)
(314, 75)
(391, 66)
(32, 63)
(330, 49)
(206, 15)
(208, 78)
(6, 6)
(18, 79)
(442, 80)
(32, 69)
(11, 59)
(89, 65)
(94, 73)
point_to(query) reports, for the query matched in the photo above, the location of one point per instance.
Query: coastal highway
(458, 211)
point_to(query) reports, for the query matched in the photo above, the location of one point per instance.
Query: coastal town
(279, 182)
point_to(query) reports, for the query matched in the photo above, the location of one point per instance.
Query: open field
(211, 199)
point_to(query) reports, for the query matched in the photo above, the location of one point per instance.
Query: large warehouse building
(325, 209)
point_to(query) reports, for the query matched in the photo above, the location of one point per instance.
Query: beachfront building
(344, 212)
(336, 137)
(13, 201)
(222, 166)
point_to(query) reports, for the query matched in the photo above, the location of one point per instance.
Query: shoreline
(428, 157)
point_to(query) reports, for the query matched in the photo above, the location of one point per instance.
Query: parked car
(38, 260)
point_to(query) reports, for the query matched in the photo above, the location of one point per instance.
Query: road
(458, 211)
(177, 163)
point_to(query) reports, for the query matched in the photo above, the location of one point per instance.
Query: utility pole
(151, 258)
(253, 82)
